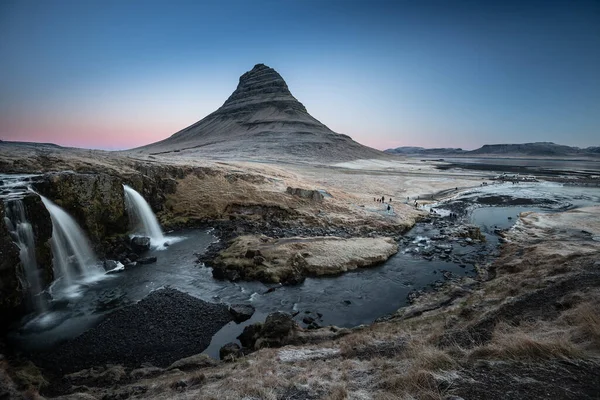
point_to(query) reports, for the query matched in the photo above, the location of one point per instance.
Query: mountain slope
(262, 120)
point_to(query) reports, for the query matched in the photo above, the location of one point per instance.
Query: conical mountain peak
(261, 85)
(261, 120)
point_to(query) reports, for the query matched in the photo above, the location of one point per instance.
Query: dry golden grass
(530, 342)
(584, 320)
(338, 392)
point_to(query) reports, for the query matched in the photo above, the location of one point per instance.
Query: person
(390, 199)
(374, 199)
(383, 199)
(389, 208)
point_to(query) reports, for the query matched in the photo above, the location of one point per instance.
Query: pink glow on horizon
(105, 135)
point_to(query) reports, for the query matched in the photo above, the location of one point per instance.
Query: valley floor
(528, 327)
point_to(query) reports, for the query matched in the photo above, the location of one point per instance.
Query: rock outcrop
(10, 288)
(95, 201)
(314, 195)
(12, 285)
(262, 119)
(289, 260)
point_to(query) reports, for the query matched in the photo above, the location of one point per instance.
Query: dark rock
(250, 334)
(110, 265)
(250, 253)
(140, 244)
(347, 302)
(230, 351)
(11, 295)
(271, 289)
(194, 362)
(241, 312)
(225, 274)
(146, 260)
(277, 325)
(13, 298)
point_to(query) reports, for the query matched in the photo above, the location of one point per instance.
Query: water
(22, 233)
(547, 163)
(142, 218)
(73, 258)
(351, 299)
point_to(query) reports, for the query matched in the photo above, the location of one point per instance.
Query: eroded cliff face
(96, 201)
(10, 287)
(13, 286)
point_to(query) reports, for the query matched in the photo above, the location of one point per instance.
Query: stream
(351, 299)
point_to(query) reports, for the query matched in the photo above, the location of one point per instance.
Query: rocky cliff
(261, 120)
(13, 299)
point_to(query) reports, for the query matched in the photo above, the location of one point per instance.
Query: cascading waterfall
(22, 234)
(73, 256)
(142, 217)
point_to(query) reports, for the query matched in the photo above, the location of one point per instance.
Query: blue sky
(447, 73)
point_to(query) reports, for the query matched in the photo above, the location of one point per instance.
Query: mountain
(527, 149)
(261, 120)
(537, 149)
(424, 151)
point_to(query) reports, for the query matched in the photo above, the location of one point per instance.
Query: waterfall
(142, 218)
(22, 234)
(73, 256)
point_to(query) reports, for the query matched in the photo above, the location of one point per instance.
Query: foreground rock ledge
(289, 260)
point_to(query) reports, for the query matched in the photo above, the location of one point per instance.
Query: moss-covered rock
(96, 201)
(289, 260)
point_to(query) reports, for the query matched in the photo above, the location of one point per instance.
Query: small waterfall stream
(142, 218)
(21, 232)
(73, 255)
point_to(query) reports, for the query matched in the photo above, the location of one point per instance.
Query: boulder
(250, 335)
(146, 260)
(139, 244)
(313, 195)
(241, 312)
(278, 325)
(230, 351)
(110, 265)
(193, 362)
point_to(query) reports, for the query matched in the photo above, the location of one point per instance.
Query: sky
(433, 73)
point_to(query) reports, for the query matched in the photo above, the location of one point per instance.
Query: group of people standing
(382, 201)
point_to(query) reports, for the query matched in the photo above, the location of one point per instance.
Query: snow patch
(293, 355)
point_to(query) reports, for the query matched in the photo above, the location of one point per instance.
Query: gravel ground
(164, 327)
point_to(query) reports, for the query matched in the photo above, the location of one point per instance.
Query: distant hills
(537, 149)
